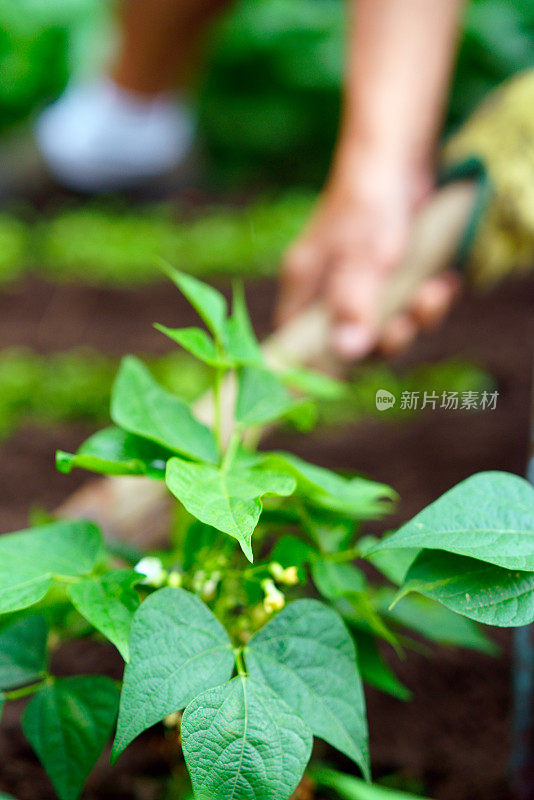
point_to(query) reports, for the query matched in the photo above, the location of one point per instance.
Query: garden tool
(482, 219)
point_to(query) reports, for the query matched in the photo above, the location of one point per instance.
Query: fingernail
(351, 341)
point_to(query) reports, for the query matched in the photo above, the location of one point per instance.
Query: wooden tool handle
(134, 508)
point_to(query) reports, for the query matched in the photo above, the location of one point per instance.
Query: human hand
(351, 248)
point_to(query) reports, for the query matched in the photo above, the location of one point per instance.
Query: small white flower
(152, 568)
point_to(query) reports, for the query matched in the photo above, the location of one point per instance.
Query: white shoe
(98, 137)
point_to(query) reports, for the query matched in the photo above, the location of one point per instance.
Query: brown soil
(454, 736)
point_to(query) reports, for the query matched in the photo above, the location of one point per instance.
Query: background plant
(224, 634)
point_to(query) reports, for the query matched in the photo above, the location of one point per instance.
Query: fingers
(300, 280)
(353, 295)
(430, 304)
(434, 298)
(398, 334)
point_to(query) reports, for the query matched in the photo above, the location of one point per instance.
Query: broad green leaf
(208, 302)
(489, 516)
(306, 655)
(2, 795)
(261, 398)
(475, 589)
(434, 622)
(374, 670)
(350, 788)
(242, 742)
(108, 602)
(336, 579)
(241, 344)
(177, 650)
(358, 497)
(23, 652)
(314, 384)
(113, 451)
(229, 500)
(68, 724)
(394, 564)
(30, 559)
(142, 406)
(197, 342)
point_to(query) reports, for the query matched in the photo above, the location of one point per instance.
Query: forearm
(399, 64)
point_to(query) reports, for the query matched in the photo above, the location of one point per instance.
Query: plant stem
(306, 521)
(248, 572)
(231, 450)
(17, 694)
(217, 409)
(345, 555)
(238, 652)
(67, 580)
(252, 437)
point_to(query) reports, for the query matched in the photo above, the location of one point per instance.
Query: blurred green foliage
(75, 385)
(14, 247)
(124, 248)
(41, 44)
(269, 97)
(497, 41)
(95, 245)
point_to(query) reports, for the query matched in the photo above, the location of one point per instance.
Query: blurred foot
(98, 137)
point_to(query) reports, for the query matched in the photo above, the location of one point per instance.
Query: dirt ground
(454, 736)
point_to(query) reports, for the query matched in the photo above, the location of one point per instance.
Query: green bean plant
(253, 631)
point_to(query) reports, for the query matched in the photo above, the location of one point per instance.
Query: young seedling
(256, 626)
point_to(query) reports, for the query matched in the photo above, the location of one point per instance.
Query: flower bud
(274, 599)
(209, 589)
(174, 579)
(172, 720)
(276, 570)
(288, 576)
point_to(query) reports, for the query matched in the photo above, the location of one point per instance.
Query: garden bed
(453, 737)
